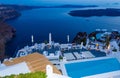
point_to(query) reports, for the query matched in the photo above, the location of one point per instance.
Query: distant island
(95, 12)
(71, 6)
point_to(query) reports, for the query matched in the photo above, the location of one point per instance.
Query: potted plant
(60, 58)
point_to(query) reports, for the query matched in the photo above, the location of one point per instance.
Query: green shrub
(28, 75)
(11, 76)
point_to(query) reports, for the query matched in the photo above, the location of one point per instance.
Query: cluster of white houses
(50, 62)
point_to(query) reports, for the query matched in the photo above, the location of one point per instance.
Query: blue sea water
(40, 22)
(82, 69)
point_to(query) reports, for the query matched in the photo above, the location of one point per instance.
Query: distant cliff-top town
(11, 11)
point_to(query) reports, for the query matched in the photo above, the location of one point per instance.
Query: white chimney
(32, 39)
(49, 71)
(50, 38)
(68, 38)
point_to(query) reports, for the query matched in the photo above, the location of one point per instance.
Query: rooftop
(35, 62)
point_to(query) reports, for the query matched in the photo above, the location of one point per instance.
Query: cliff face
(6, 34)
(8, 12)
(6, 31)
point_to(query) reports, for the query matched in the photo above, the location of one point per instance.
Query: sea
(40, 22)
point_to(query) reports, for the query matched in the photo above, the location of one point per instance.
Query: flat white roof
(15, 69)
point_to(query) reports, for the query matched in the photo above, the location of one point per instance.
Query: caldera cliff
(6, 34)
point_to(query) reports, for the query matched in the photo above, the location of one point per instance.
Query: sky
(56, 2)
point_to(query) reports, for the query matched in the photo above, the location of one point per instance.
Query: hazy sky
(52, 2)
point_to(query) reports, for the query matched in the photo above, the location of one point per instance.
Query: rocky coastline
(7, 32)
